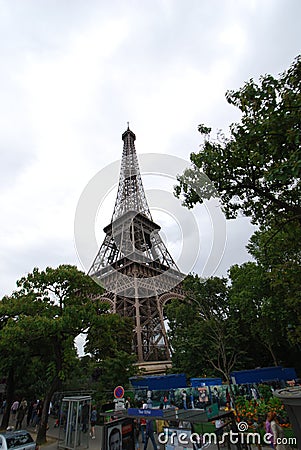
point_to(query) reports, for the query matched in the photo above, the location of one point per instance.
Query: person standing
(165, 401)
(228, 396)
(192, 400)
(160, 424)
(93, 420)
(268, 429)
(34, 415)
(184, 398)
(219, 429)
(278, 434)
(85, 417)
(127, 403)
(216, 396)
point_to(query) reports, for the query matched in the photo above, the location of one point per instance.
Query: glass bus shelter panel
(74, 422)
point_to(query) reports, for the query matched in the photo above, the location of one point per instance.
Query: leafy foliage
(202, 332)
(43, 317)
(252, 411)
(257, 170)
(278, 253)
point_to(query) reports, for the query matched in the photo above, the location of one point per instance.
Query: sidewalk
(53, 437)
(94, 444)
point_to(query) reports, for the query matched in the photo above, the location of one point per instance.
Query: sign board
(118, 392)
(136, 412)
(212, 410)
(119, 404)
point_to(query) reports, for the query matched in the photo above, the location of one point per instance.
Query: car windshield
(18, 440)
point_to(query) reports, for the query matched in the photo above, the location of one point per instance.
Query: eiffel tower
(135, 267)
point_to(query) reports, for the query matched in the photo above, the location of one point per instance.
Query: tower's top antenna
(131, 195)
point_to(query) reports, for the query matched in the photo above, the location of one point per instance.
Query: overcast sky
(74, 72)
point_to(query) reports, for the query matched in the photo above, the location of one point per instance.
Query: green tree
(278, 253)
(119, 336)
(257, 169)
(251, 297)
(46, 313)
(187, 339)
(111, 372)
(202, 330)
(112, 359)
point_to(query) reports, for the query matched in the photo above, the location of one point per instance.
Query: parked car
(19, 440)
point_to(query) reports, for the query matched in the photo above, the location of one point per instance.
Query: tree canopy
(257, 169)
(202, 332)
(39, 323)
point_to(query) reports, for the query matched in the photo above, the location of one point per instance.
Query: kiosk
(74, 422)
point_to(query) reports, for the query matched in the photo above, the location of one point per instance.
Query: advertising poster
(114, 437)
(203, 395)
(119, 435)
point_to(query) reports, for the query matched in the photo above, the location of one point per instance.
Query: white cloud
(74, 73)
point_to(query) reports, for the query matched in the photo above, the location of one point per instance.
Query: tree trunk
(10, 392)
(41, 436)
(270, 349)
(232, 396)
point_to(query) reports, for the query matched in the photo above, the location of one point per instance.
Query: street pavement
(94, 444)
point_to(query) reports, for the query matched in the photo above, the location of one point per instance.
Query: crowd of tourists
(28, 414)
(24, 413)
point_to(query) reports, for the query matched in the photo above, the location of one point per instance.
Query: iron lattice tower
(134, 265)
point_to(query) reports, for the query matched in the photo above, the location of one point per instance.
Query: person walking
(21, 414)
(29, 413)
(137, 433)
(143, 429)
(38, 415)
(14, 408)
(93, 420)
(149, 434)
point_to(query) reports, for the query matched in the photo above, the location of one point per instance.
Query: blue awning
(199, 382)
(263, 374)
(159, 383)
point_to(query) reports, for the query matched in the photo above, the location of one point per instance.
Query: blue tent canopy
(198, 382)
(263, 374)
(160, 382)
